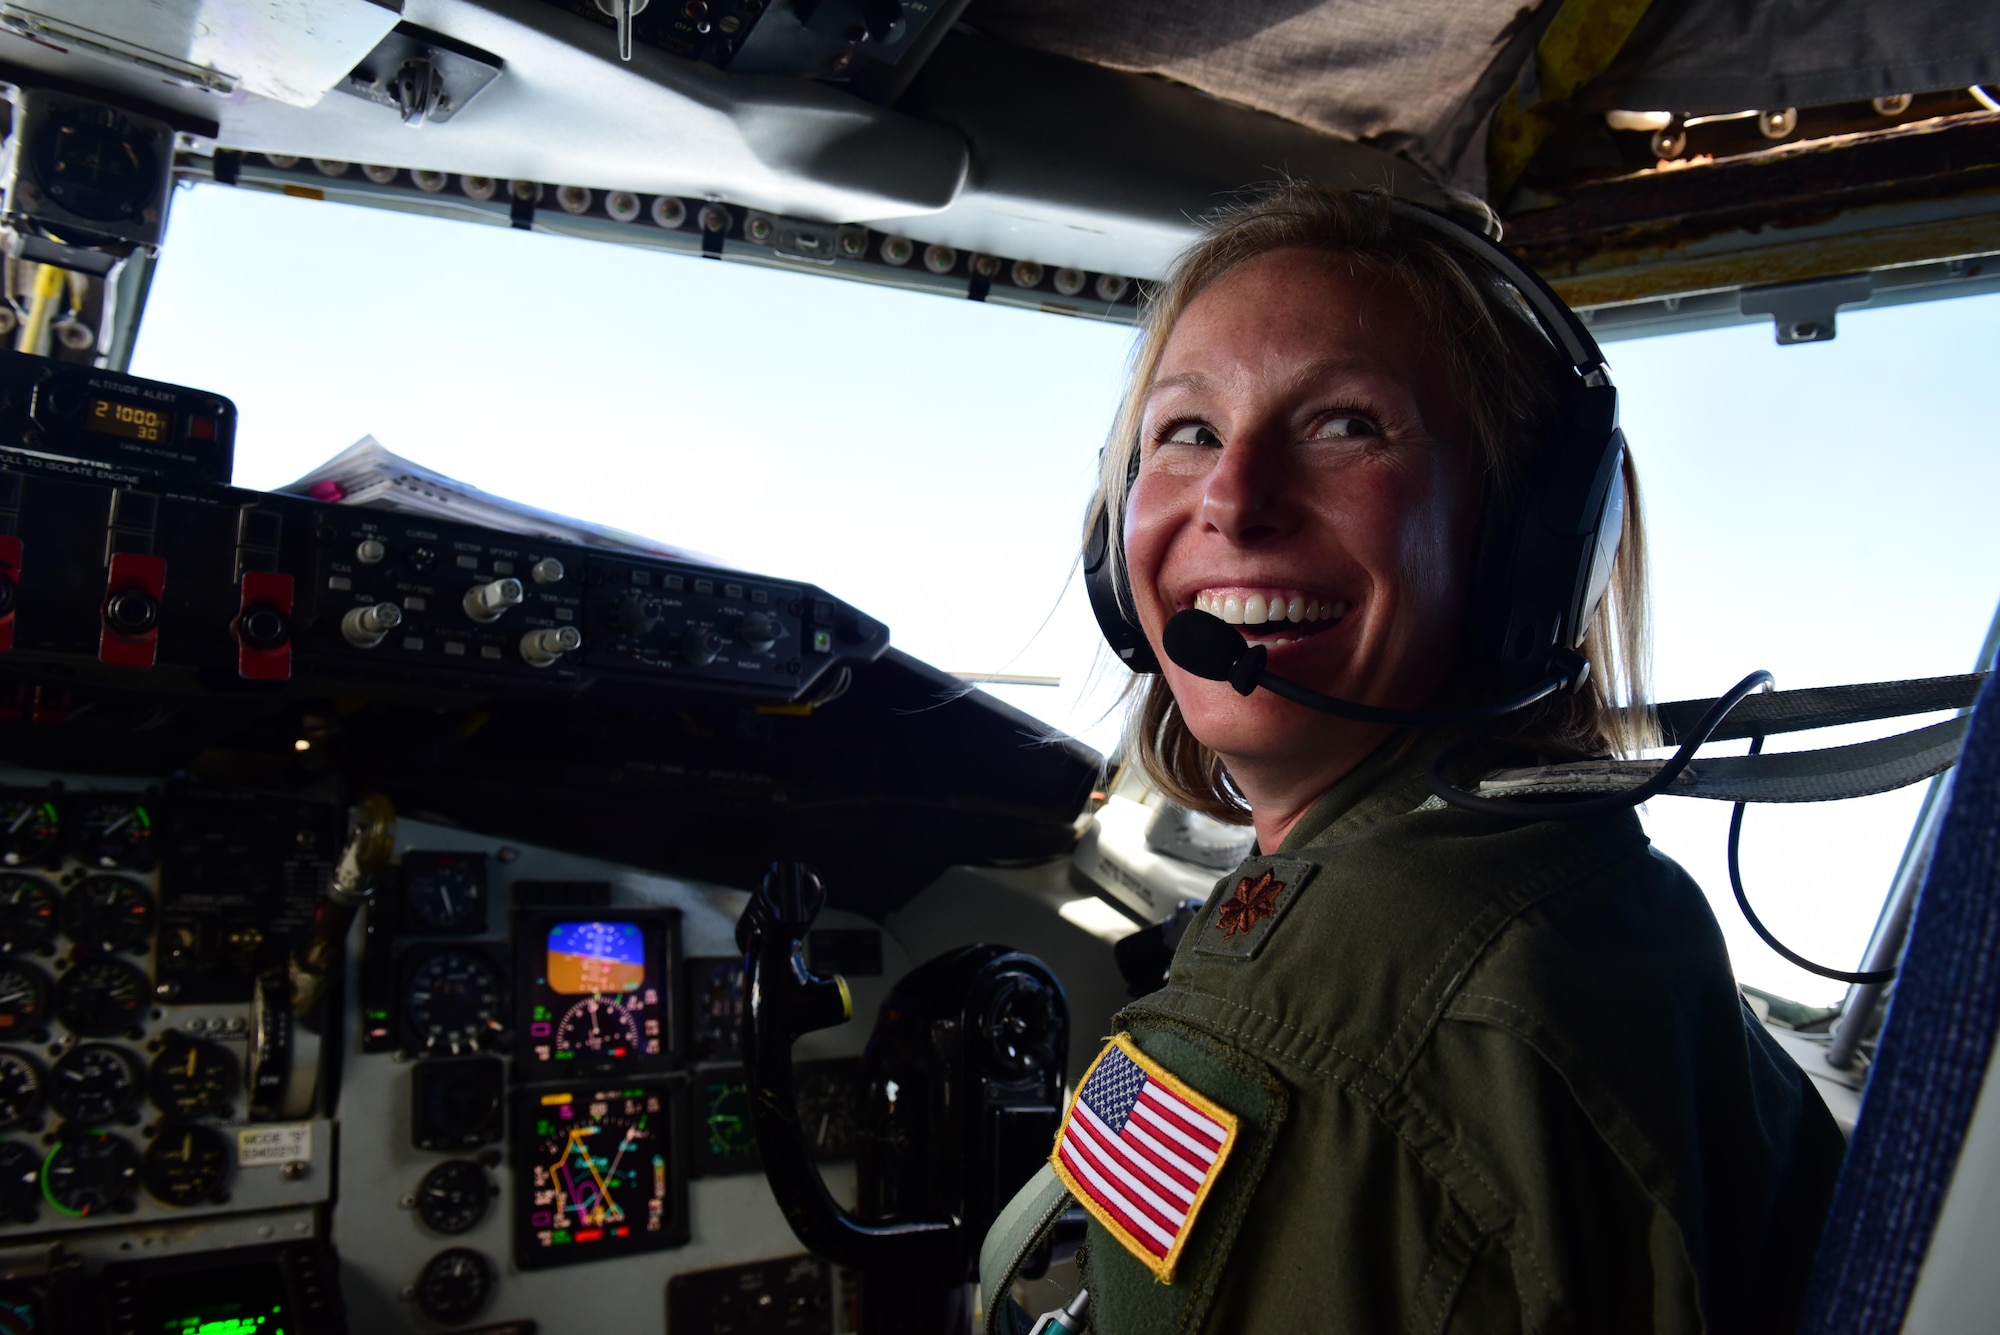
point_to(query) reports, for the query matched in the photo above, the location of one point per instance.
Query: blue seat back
(1936, 1045)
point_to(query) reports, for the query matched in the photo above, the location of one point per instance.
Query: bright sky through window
(1823, 511)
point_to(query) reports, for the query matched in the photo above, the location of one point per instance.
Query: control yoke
(783, 1001)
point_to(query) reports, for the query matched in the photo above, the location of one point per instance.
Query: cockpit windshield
(1818, 510)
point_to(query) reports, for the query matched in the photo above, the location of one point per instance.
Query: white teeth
(1258, 609)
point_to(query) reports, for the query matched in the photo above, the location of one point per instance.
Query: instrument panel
(122, 1096)
(573, 1135)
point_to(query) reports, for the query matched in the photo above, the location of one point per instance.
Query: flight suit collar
(1398, 763)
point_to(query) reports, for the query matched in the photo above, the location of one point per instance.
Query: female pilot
(1416, 1068)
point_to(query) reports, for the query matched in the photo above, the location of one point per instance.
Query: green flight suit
(1490, 1077)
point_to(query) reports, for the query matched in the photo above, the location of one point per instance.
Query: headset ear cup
(1110, 599)
(1603, 546)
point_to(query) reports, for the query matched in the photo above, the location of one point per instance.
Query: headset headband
(1558, 321)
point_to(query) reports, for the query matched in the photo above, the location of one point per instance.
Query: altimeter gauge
(455, 1002)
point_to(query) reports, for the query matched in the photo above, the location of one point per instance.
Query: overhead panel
(291, 51)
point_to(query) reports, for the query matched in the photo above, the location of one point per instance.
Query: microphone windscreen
(1203, 643)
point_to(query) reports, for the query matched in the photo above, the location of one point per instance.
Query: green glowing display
(225, 1319)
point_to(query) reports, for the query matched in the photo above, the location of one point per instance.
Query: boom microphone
(1206, 645)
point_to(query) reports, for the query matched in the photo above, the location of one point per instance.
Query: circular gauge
(28, 830)
(95, 162)
(24, 999)
(109, 913)
(90, 1173)
(23, 1088)
(454, 1285)
(94, 1083)
(600, 1026)
(27, 913)
(444, 892)
(453, 1196)
(101, 997)
(454, 1002)
(20, 1183)
(185, 1165)
(113, 834)
(193, 1077)
(829, 1109)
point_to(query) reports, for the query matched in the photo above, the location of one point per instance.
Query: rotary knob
(700, 645)
(488, 602)
(367, 626)
(548, 570)
(760, 630)
(635, 612)
(541, 648)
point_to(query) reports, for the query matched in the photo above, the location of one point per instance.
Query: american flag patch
(1140, 1150)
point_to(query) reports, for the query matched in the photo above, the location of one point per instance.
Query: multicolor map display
(596, 957)
(601, 1175)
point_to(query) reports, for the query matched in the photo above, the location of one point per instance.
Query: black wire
(1757, 925)
(1404, 718)
(1517, 809)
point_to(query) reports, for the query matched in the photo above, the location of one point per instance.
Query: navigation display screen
(599, 991)
(603, 1172)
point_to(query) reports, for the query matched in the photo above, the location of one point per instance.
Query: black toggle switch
(132, 611)
(264, 626)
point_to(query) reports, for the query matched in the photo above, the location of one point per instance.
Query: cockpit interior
(422, 911)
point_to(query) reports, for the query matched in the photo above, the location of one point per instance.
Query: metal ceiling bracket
(1804, 312)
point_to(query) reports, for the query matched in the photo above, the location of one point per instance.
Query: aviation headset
(1544, 560)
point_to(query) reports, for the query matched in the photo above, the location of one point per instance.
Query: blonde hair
(1505, 376)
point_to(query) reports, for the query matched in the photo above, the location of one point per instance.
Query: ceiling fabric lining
(1729, 55)
(1396, 74)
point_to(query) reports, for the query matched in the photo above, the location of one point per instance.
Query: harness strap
(1822, 707)
(1830, 774)
(1016, 1232)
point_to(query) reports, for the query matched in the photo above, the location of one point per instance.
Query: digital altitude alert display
(599, 990)
(603, 1172)
(133, 421)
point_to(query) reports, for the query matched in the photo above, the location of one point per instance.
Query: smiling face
(1306, 473)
